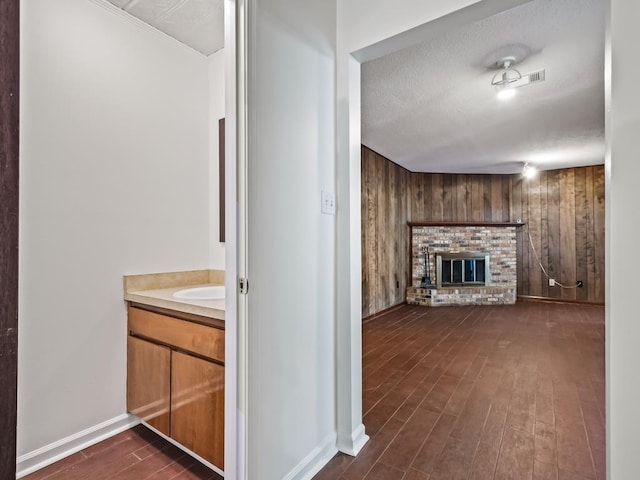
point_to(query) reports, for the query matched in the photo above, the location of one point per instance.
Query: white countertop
(163, 298)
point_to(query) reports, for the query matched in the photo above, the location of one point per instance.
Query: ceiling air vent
(536, 76)
(530, 78)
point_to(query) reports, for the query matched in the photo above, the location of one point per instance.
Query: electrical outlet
(579, 284)
(552, 282)
(328, 203)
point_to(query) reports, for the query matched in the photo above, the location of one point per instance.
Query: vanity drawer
(182, 334)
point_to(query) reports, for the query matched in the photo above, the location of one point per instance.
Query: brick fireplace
(466, 264)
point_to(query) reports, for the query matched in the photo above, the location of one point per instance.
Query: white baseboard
(354, 443)
(315, 460)
(44, 456)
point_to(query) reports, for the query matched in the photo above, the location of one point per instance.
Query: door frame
(235, 239)
(9, 230)
(351, 432)
(9, 238)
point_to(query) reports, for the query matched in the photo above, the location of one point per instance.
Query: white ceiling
(196, 23)
(431, 107)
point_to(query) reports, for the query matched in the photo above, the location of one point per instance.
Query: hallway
(482, 393)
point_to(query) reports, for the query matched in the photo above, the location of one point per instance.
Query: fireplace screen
(462, 269)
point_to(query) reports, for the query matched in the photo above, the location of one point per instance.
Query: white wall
(216, 112)
(114, 180)
(291, 262)
(622, 173)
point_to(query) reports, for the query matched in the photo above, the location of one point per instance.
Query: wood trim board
(465, 224)
(9, 185)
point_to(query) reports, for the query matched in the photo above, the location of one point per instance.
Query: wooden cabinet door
(148, 382)
(197, 406)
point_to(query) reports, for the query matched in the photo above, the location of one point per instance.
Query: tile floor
(135, 454)
(473, 393)
(482, 393)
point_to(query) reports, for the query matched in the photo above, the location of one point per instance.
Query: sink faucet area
(199, 292)
(212, 292)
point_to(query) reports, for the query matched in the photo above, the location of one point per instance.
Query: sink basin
(215, 292)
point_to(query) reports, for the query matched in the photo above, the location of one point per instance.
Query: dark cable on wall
(535, 254)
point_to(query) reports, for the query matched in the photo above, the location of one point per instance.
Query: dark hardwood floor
(482, 393)
(136, 454)
(473, 393)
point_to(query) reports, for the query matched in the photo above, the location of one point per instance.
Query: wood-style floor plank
(482, 393)
(136, 454)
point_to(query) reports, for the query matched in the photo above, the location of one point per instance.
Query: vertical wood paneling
(385, 213)
(469, 196)
(487, 197)
(553, 221)
(382, 170)
(563, 210)
(461, 197)
(590, 285)
(506, 210)
(9, 166)
(567, 232)
(448, 198)
(570, 224)
(415, 186)
(581, 230)
(598, 229)
(427, 186)
(403, 247)
(477, 198)
(437, 197)
(369, 226)
(515, 212)
(526, 241)
(533, 224)
(496, 199)
(544, 230)
(392, 218)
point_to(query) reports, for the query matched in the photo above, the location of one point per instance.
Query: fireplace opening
(462, 269)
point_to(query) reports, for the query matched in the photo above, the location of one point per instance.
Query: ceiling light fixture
(529, 171)
(503, 80)
(507, 74)
(505, 93)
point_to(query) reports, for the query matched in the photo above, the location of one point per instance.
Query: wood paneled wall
(563, 210)
(564, 213)
(458, 198)
(9, 114)
(385, 234)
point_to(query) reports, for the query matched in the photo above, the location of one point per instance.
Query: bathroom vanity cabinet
(175, 379)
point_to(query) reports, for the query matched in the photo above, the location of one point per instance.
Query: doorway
(350, 159)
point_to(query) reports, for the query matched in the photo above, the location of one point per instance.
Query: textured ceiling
(196, 23)
(431, 107)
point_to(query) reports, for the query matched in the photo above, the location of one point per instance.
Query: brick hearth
(498, 241)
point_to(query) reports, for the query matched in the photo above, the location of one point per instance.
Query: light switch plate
(328, 203)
